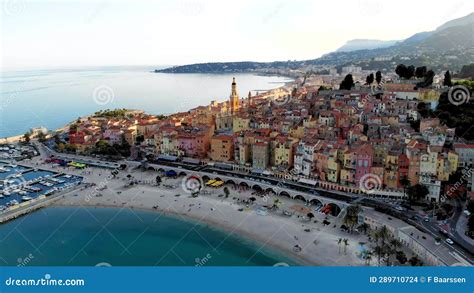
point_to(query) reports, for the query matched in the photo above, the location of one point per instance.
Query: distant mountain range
(450, 46)
(365, 44)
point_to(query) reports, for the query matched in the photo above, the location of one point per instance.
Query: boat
(26, 198)
(12, 202)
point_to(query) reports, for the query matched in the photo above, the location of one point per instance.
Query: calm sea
(52, 98)
(106, 236)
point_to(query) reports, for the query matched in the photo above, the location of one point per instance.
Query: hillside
(364, 44)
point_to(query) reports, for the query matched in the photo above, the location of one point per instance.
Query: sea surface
(77, 236)
(53, 98)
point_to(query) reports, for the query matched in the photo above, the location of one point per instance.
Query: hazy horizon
(88, 33)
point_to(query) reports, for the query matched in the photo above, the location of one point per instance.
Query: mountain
(364, 44)
(450, 46)
(457, 22)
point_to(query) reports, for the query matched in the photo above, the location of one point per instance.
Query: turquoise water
(105, 236)
(52, 98)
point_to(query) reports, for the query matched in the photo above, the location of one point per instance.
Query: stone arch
(244, 184)
(315, 202)
(284, 193)
(335, 209)
(182, 173)
(257, 187)
(230, 182)
(299, 197)
(270, 190)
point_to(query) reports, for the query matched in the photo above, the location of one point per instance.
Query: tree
(470, 206)
(26, 137)
(395, 244)
(405, 183)
(369, 79)
(139, 139)
(61, 147)
(347, 83)
(310, 216)
(41, 136)
(401, 257)
(467, 71)
(417, 192)
(346, 243)
(405, 72)
(378, 77)
(158, 180)
(400, 70)
(420, 72)
(447, 79)
(352, 216)
(364, 227)
(226, 192)
(410, 72)
(470, 223)
(367, 256)
(276, 203)
(56, 137)
(429, 76)
(415, 261)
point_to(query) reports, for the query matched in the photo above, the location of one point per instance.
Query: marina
(21, 186)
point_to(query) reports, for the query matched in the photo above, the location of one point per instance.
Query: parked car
(449, 241)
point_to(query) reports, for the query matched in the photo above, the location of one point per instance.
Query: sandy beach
(307, 242)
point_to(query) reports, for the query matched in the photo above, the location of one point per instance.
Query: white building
(433, 185)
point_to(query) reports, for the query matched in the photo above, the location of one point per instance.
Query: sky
(64, 33)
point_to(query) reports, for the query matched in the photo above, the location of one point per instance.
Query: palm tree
(346, 243)
(352, 216)
(276, 203)
(367, 256)
(378, 251)
(415, 261)
(395, 244)
(364, 227)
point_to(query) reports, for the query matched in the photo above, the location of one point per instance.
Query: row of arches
(330, 208)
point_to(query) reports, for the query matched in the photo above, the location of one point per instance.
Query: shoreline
(282, 234)
(209, 223)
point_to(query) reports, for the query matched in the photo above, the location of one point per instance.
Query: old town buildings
(334, 136)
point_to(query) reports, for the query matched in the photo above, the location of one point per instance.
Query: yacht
(26, 198)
